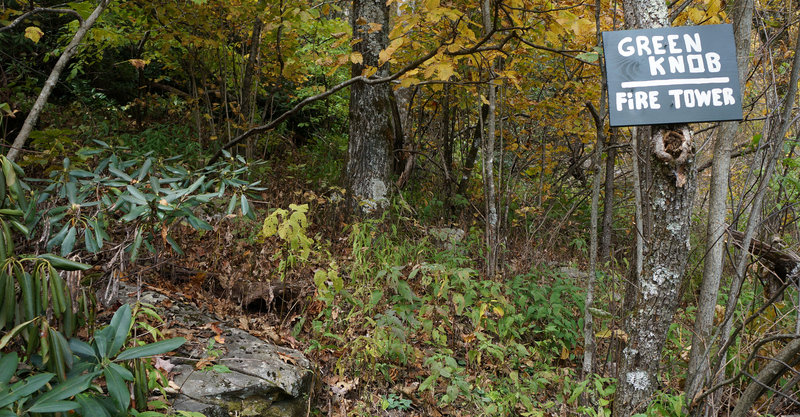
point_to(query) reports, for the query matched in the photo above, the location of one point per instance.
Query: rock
(264, 379)
(574, 273)
(447, 235)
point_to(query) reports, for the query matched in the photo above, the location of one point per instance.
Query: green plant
(666, 405)
(493, 346)
(167, 140)
(51, 375)
(328, 282)
(22, 394)
(42, 290)
(152, 195)
(600, 392)
(212, 354)
(78, 364)
(395, 402)
(291, 228)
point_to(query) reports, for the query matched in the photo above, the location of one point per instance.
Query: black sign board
(672, 75)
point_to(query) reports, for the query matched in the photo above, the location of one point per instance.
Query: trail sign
(672, 75)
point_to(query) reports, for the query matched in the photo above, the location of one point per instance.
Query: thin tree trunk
(248, 93)
(697, 374)
(447, 151)
(599, 117)
(472, 154)
(55, 73)
(588, 325)
(608, 198)
(492, 220)
(666, 238)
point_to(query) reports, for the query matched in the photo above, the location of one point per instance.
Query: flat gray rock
(263, 379)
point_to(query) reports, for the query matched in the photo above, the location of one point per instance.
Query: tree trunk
(371, 121)
(492, 220)
(608, 199)
(472, 154)
(447, 152)
(248, 93)
(599, 117)
(667, 206)
(69, 52)
(588, 327)
(697, 373)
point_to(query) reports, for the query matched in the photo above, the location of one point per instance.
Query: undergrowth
(432, 330)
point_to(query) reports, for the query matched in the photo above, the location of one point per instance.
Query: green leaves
(143, 191)
(152, 349)
(21, 389)
(290, 228)
(64, 264)
(35, 299)
(117, 388)
(53, 399)
(121, 325)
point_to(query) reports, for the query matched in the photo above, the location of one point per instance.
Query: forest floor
(249, 280)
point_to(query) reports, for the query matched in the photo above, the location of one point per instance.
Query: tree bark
(248, 93)
(697, 373)
(55, 73)
(667, 205)
(492, 219)
(608, 199)
(372, 132)
(588, 325)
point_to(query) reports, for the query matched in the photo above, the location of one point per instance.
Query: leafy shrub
(40, 313)
(165, 140)
(79, 363)
(152, 195)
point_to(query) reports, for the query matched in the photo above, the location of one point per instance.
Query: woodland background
(424, 196)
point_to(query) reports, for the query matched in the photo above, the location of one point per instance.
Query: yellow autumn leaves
(33, 33)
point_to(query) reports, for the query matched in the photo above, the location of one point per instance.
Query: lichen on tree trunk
(372, 131)
(667, 246)
(668, 187)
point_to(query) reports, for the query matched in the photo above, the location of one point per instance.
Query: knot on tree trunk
(674, 148)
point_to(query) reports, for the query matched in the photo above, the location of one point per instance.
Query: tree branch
(49, 85)
(557, 51)
(744, 150)
(38, 10)
(412, 65)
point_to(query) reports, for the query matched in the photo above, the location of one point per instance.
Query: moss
(262, 407)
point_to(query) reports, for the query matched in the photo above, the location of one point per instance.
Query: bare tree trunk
(599, 117)
(588, 325)
(247, 109)
(69, 52)
(372, 132)
(608, 198)
(668, 200)
(447, 151)
(472, 154)
(697, 373)
(492, 221)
